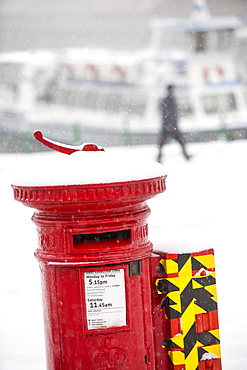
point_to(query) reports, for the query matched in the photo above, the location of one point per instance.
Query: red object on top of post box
(68, 192)
(94, 256)
(66, 149)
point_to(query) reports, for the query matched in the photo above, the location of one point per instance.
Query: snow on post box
(91, 217)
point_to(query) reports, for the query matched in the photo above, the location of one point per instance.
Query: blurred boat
(116, 94)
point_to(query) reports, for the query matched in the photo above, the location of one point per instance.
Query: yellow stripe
(199, 310)
(195, 284)
(188, 318)
(186, 270)
(163, 263)
(171, 267)
(215, 333)
(174, 280)
(207, 260)
(177, 357)
(178, 340)
(215, 349)
(192, 360)
(183, 282)
(175, 296)
(212, 289)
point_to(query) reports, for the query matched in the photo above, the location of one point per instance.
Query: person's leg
(162, 141)
(180, 140)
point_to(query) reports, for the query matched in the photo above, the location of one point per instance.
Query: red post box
(94, 255)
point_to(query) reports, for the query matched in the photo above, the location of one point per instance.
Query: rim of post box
(65, 196)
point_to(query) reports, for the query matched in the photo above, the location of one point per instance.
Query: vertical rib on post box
(191, 315)
(94, 255)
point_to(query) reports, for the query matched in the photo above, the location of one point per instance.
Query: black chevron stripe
(203, 300)
(196, 265)
(186, 296)
(165, 286)
(207, 338)
(167, 302)
(201, 352)
(171, 313)
(190, 340)
(182, 259)
(205, 280)
(170, 344)
(161, 269)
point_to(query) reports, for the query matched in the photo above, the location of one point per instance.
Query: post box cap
(88, 165)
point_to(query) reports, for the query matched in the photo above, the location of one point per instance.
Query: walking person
(169, 111)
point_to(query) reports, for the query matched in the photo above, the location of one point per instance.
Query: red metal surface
(213, 364)
(66, 149)
(159, 322)
(95, 229)
(69, 344)
(207, 321)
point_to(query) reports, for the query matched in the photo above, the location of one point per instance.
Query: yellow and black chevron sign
(190, 305)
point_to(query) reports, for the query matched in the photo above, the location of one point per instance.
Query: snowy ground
(205, 205)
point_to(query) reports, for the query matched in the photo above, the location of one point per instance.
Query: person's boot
(159, 158)
(186, 155)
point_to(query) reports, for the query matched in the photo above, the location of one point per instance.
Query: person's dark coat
(169, 111)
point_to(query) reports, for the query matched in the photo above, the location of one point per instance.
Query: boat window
(102, 100)
(225, 39)
(9, 77)
(9, 73)
(185, 107)
(200, 40)
(72, 98)
(91, 100)
(62, 96)
(114, 102)
(138, 104)
(82, 98)
(209, 41)
(168, 39)
(218, 103)
(133, 103)
(126, 103)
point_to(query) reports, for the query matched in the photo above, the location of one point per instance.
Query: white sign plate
(105, 299)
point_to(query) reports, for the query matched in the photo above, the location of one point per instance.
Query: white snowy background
(205, 205)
